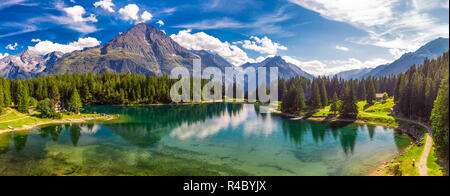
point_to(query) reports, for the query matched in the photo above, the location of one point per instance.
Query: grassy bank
(433, 164)
(12, 118)
(377, 113)
(407, 163)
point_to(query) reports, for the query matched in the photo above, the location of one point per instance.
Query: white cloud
(263, 46)
(6, 3)
(160, 22)
(12, 46)
(318, 68)
(342, 48)
(224, 23)
(75, 19)
(203, 41)
(146, 16)
(106, 5)
(169, 11)
(35, 40)
(77, 12)
(45, 47)
(391, 24)
(3, 55)
(129, 12)
(266, 24)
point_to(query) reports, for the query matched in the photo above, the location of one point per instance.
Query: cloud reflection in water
(247, 118)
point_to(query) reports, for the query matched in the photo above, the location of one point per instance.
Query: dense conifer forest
(416, 93)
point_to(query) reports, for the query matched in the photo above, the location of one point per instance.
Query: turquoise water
(208, 139)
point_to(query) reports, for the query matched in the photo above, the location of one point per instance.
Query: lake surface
(207, 139)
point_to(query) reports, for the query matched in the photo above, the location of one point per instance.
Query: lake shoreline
(60, 121)
(380, 169)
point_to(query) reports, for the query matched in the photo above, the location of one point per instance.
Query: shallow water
(208, 139)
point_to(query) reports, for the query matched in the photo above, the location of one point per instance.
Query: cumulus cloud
(12, 46)
(129, 12)
(342, 48)
(332, 67)
(391, 24)
(262, 45)
(203, 41)
(146, 16)
(3, 55)
(45, 47)
(106, 5)
(76, 20)
(160, 22)
(77, 12)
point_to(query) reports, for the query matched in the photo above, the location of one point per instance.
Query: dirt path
(15, 119)
(423, 169)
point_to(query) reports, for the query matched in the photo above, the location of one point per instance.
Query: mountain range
(431, 50)
(26, 64)
(144, 49)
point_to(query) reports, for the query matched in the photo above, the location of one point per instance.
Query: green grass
(381, 107)
(324, 112)
(434, 169)
(10, 114)
(405, 161)
(17, 120)
(378, 112)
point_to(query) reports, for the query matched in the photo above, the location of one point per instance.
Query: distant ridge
(285, 70)
(431, 50)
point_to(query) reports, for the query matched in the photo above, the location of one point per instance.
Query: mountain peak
(143, 49)
(274, 60)
(143, 28)
(285, 69)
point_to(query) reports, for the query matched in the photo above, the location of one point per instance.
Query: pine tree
(301, 98)
(6, 92)
(315, 99)
(22, 98)
(335, 106)
(75, 101)
(371, 94)
(349, 108)
(54, 94)
(440, 120)
(324, 95)
(363, 92)
(2, 97)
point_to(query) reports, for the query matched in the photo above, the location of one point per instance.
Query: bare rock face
(25, 64)
(142, 50)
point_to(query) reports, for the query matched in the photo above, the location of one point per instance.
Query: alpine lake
(206, 139)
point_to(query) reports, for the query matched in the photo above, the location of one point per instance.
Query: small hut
(379, 96)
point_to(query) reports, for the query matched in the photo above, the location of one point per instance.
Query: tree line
(415, 92)
(301, 94)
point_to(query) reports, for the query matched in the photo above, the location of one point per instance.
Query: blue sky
(320, 36)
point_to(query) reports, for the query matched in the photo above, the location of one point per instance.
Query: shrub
(47, 109)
